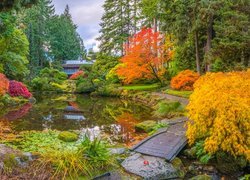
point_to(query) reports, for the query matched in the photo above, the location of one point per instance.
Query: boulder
(146, 126)
(190, 153)
(228, 164)
(11, 158)
(178, 165)
(149, 167)
(117, 151)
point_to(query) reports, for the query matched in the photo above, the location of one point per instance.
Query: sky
(86, 14)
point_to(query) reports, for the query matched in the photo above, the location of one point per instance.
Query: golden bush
(219, 113)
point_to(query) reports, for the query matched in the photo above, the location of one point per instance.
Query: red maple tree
(144, 58)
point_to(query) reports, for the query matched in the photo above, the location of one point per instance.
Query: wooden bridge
(167, 143)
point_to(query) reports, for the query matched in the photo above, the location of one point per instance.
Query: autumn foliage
(77, 75)
(184, 80)
(18, 89)
(144, 57)
(219, 111)
(4, 84)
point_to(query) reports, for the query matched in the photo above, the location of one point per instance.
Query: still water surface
(111, 117)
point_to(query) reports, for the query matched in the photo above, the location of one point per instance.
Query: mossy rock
(146, 126)
(201, 177)
(178, 165)
(228, 164)
(190, 153)
(67, 136)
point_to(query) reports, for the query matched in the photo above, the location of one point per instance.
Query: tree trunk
(209, 43)
(197, 56)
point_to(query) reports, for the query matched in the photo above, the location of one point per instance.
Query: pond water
(113, 118)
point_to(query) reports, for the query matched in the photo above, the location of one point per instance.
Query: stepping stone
(149, 167)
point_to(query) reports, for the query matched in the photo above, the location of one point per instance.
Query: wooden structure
(72, 66)
(167, 143)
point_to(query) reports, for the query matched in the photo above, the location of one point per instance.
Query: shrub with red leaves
(77, 75)
(18, 89)
(4, 84)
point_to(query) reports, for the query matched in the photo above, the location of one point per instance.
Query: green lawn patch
(184, 94)
(141, 87)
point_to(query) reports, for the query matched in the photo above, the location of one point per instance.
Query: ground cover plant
(168, 109)
(220, 112)
(65, 159)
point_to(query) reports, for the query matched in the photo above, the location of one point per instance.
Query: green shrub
(184, 94)
(67, 136)
(85, 85)
(166, 109)
(49, 80)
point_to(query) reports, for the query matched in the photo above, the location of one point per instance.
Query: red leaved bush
(4, 84)
(184, 80)
(18, 89)
(77, 75)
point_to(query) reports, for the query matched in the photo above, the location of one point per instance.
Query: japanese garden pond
(111, 118)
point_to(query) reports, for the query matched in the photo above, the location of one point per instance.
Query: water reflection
(108, 117)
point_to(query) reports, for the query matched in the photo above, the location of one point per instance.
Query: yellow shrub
(219, 111)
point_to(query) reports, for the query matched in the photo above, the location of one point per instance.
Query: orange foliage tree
(184, 80)
(219, 113)
(4, 84)
(144, 58)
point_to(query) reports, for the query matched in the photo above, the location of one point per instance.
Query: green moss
(201, 177)
(9, 163)
(146, 126)
(67, 136)
(184, 94)
(167, 108)
(178, 165)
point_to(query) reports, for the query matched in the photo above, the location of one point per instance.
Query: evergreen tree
(118, 22)
(36, 20)
(65, 42)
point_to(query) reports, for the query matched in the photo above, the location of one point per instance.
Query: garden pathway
(182, 100)
(167, 142)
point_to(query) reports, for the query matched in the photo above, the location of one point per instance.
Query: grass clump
(184, 94)
(66, 159)
(67, 136)
(168, 109)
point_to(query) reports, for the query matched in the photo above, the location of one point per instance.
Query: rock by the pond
(190, 153)
(227, 164)
(178, 165)
(145, 126)
(149, 167)
(10, 157)
(201, 177)
(117, 150)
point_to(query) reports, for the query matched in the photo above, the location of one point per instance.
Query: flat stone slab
(165, 144)
(149, 167)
